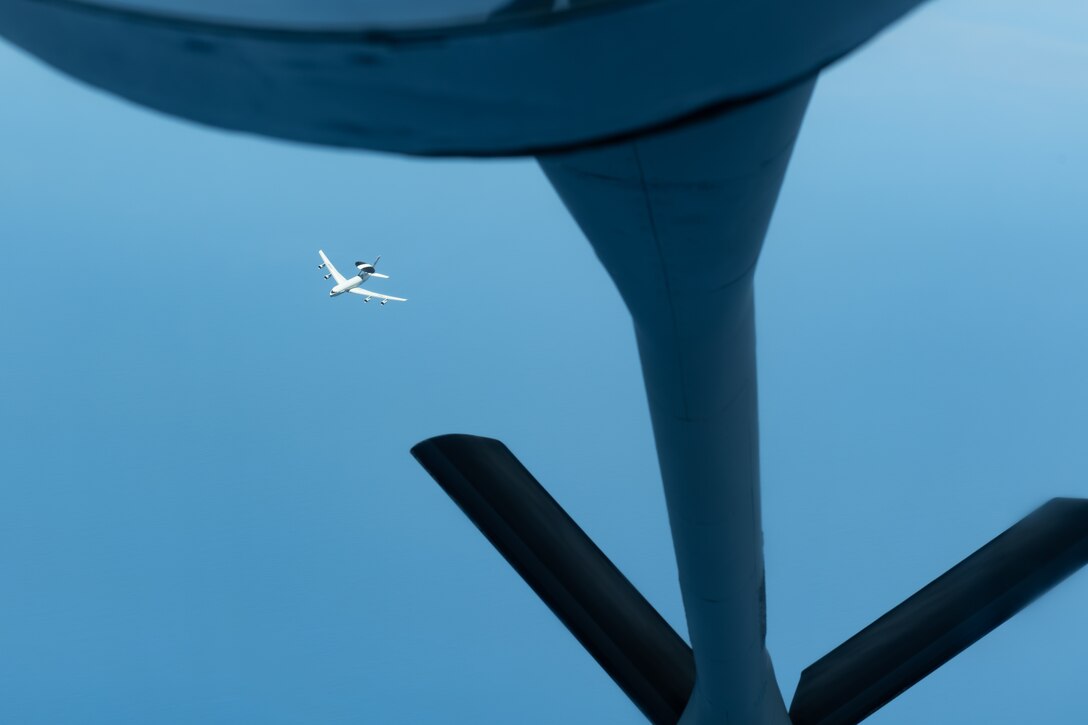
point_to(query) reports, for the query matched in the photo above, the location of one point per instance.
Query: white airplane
(343, 284)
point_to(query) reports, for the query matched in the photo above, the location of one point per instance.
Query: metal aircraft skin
(672, 171)
(353, 284)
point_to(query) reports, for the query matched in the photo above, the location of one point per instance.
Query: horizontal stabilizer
(601, 608)
(945, 617)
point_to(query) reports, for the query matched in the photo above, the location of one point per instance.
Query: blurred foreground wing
(945, 617)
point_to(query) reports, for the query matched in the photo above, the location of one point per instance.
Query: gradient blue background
(208, 512)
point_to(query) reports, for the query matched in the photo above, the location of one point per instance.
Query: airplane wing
(367, 293)
(379, 276)
(332, 270)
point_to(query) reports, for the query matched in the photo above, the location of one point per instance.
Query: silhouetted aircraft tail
(945, 617)
(654, 666)
(601, 608)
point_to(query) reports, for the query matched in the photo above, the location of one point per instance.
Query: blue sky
(208, 510)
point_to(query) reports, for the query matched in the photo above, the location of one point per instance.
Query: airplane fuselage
(348, 284)
(364, 271)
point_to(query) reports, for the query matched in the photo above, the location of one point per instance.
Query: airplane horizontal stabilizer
(600, 607)
(945, 617)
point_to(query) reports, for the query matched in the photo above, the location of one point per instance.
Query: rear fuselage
(352, 282)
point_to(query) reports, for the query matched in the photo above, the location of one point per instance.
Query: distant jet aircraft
(366, 271)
